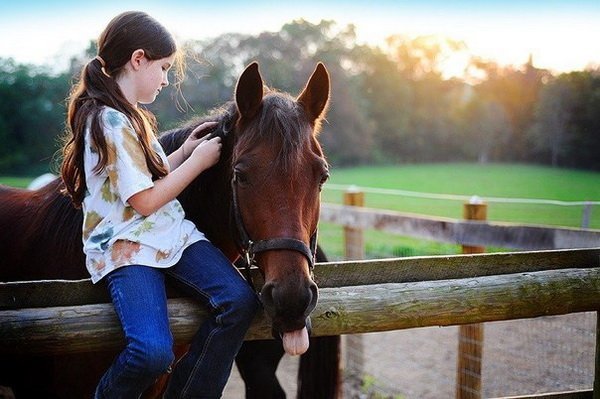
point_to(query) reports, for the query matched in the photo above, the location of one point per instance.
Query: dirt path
(519, 357)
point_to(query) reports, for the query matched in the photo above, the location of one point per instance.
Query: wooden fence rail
(495, 234)
(355, 297)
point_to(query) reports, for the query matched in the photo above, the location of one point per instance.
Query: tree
(550, 133)
(32, 115)
(412, 106)
(488, 130)
(286, 58)
(517, 90)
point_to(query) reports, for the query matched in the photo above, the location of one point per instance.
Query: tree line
(389, 104)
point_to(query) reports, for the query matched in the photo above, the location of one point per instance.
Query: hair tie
(103, 64)
(101, 61)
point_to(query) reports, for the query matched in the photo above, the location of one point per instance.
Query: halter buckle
(249, 253)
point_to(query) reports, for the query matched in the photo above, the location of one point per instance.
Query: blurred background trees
(389, 104)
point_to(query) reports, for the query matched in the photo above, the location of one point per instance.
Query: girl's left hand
(196, 137)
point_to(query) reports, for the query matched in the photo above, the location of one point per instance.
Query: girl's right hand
(208, 152)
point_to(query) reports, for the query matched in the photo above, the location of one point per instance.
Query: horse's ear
(249, 91)
(315, 96)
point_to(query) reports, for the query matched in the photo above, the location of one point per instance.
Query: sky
(560, 35)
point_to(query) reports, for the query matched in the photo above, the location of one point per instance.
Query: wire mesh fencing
(529, 356)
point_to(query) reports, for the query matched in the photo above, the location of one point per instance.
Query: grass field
(493, 180)
(15, 181)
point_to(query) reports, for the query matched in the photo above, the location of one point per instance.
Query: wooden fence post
(354, 242)
(354, 249)
(470, 336)
(596, 394)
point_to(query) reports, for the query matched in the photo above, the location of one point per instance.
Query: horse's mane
(224, 115)
(281, 123)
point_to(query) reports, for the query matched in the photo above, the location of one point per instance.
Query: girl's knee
(243, 303)
(248, 300)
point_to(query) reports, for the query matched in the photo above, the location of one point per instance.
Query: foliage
(566, 131)
(31, 116)
(389, 104)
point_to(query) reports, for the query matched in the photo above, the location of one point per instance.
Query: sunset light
(559, 35)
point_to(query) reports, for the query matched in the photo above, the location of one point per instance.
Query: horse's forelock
(282, 124)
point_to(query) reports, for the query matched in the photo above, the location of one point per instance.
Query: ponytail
(97, 88)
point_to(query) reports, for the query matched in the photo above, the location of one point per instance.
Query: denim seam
(206, 345)
(199, 360)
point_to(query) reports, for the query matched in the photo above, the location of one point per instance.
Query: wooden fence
(355, 296)
(465, 232)
(473, 233)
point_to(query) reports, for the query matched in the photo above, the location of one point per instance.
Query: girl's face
(152, 77)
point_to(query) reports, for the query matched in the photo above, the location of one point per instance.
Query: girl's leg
(139, 299)
(212, 279)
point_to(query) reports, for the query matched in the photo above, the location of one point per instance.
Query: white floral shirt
(114, 234)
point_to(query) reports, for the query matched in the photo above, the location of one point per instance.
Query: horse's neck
(207, 203)
(207, 199)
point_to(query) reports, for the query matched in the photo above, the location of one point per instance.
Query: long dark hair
(97, 87)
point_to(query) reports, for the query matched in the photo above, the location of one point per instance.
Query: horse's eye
(324, 178)
(240, 177)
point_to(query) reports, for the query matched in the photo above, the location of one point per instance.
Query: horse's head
(278, 169)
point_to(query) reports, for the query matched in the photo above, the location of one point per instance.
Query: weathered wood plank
(425, 268)
(342, 310)
(504, 235)
(332, 274)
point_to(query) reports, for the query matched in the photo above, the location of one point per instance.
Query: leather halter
(250, 248)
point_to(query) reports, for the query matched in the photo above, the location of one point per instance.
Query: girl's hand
(198, 135)
(207, 152)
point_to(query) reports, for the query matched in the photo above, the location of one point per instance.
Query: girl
(134, 230)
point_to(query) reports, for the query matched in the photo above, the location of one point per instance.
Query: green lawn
(15, 181)
(495, 180)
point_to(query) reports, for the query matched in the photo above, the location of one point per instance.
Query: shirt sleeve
(126, 165)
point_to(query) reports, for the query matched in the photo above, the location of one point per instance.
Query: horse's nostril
(314, 290)
(266, 296)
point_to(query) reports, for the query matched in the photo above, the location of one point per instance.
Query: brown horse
(261, 200)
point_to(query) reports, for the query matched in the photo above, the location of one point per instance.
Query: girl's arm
(197, 136)
(203, 156)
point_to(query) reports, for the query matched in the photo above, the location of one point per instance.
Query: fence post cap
(475, 200)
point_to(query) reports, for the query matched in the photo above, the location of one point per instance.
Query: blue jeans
(139, 299)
